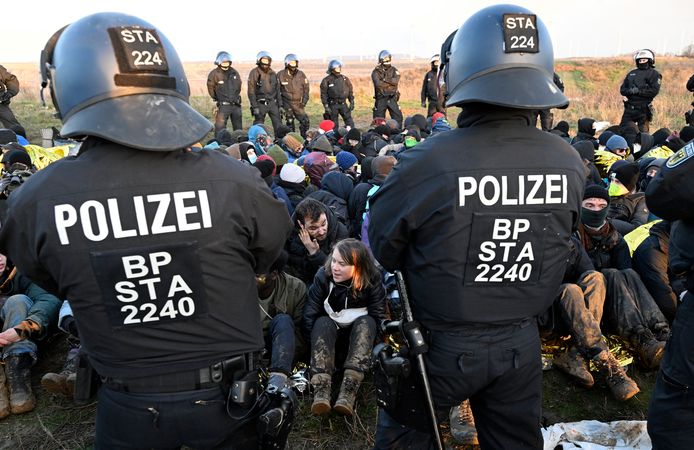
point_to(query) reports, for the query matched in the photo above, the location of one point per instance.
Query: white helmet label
(520, 33)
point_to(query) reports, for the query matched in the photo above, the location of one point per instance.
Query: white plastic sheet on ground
(595, 435)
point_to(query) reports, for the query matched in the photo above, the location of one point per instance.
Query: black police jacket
(8, 84)
(690, 84)
(263, 86)
(224, 86)
(294, 88)
(670, 195)
(336, 88)
(577, 263)
(430, 85)
(373, 298)
(157, 252)
(479, 219)
(648, 83)
(385, 79)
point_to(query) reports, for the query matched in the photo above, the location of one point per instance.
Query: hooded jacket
(628, 212)
(334, 193)
(341, 297)
(606, 248)
(586, 132)
(301, 264)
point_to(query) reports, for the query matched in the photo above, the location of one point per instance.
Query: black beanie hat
(687, 133)
(353, 134)
(660, 136)
(585, 149)
(383, 130)
(595, 191)
(17, 156)
(628, 175)
(563, 126)
(265, 166)
(675, 144)
(604, 137)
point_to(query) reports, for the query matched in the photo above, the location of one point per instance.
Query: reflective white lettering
(65, 217)
(101, 224)
(118, 231)
(126, 289)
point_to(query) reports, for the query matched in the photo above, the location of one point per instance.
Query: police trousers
(224, 112)
(271, 108)
(499, 369)
(341, 109)
(299, 113)
(7, 117)
(641, 115)
(434, 106)
(671, 411)
(197, 419)
(390, 104)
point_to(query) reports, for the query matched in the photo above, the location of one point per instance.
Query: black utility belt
(265, 101)
(336, 101)
(218, 373)
(230, 103)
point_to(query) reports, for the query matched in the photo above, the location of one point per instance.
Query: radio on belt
(520, 33)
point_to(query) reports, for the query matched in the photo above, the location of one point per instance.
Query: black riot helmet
(263, 58)
(334, 66)
(384, 57)
(134, 92)
(502, 55)
(289, 59)
(222, 57)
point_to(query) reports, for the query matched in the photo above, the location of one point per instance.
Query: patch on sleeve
(681, 156)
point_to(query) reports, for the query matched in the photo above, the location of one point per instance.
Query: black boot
(63, 382)
(17, 370)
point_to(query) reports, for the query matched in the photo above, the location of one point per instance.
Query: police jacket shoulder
(9, 80)
(670, 195)
(341, 297)
(690, 84)
(578, 263)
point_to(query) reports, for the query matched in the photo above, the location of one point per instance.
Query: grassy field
(592, 86)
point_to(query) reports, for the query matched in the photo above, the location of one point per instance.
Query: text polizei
(99, 220)
(491, 190)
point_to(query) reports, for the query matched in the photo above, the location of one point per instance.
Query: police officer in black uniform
(224, 86)
(295, 89)
(9, 87)
(689, 115)
(386, 78)
(337, 94)
(639, 88)
(156, 247)
(430, 88)
(264, 92)
(479, 220)
(671, 412)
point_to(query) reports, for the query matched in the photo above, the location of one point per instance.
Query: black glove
(5, 97)
(351, 106)
(255, 111)
(633, 90)
(70, 325)
(424, 104)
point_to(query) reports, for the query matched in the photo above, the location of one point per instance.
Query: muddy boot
(348, 392)
(19, 382)
(4, 395)
(622, 387)
(462, 424)
(573, 363)
(321, 393)
(650, 350)
(64, 382)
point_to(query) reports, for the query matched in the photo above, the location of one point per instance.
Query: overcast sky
(319, 29)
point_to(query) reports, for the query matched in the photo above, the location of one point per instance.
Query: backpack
(366, 216)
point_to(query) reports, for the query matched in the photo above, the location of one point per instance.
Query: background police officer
(9, 87)
(158, 261)
(386, 78)
(264, 92)
(479, 220)
(224, 86)
(337, 94)
(671, 412)
(640, 87)
(295, 89)
(430, 88)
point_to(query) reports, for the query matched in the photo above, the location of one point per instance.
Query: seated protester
(561, 129)
(687, 134)
(587, 152)
(586, 132)
(660, 136)
(63, 383)
(630, 311)
(380, 167)
(280, 133)
(394, 126)
(628, 208)
(293, 180)
(352, 143)
(247, 151)
(27, 314)
(419, 121)
(643, 143)
(258, 136)
(650, 261)
(266, 166)
(316, 164)
(347, 300)
(278, 156)
(580, 307)
(281, 300)
(334, 193)
(223, 136)
(234, 151)
(662, 147)
(347, 164)
(293, 145)
(603, 138)
(629, 131)
(326, 126)
(316, 230)
(618, 145)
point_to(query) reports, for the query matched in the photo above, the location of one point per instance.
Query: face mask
(252, 158)
(594, 219)
(337, 70)
(225, 66)
(617, 190)
(386, 63)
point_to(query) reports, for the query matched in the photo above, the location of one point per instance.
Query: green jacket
(44, 311)
(288, 297)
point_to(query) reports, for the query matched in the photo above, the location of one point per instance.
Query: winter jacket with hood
(586, 132)
(334, 193)
(341, 297)
(357, 201)
(606, 247)
(628, 212)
